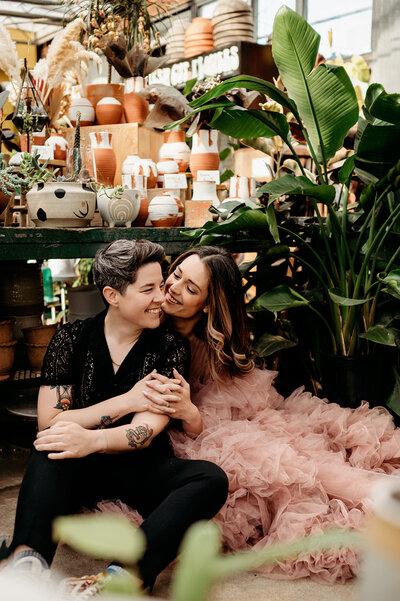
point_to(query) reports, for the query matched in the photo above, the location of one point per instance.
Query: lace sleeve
(58, 362)
(177, 355)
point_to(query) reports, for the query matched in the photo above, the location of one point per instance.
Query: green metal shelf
(45, 243)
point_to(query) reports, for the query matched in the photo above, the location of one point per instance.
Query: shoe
(30, 562)
(83, 588)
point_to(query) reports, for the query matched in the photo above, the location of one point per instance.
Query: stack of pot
(7, 347)
(232, 20)
(199, 37)
(175, 40)
(36, 342)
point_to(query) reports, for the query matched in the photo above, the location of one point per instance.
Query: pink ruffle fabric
(295, 466)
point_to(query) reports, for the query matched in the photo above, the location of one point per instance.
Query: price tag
(208, 176)
(45, 152)
(175, 180)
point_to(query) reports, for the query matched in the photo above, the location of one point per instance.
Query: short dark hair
(117, 264)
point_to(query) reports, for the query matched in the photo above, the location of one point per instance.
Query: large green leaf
(249, 83)
(392, 281)
(279, 298)
(325, 97)
(269, 344)
(393, 401)
(290, 184)
(384, 106)
(221, 104)
(380, 335)
(254, 123)
(338, 297)
(103, 535)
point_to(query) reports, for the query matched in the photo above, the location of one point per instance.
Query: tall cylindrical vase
(103, 157)
(135, 107)
(204, 155)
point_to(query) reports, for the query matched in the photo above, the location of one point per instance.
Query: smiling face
(186, 289)
(140, 304)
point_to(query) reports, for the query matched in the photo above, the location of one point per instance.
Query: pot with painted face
(61, 204)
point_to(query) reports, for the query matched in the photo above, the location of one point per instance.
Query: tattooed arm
(68, 440)
(55, 402)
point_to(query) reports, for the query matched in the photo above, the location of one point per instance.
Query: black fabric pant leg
(50, 488)
(173, 494)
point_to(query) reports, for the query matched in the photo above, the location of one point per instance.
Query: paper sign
(175, 180)
(208, 176)
(45, 152)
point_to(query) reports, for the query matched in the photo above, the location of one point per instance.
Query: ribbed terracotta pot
(39, 334)
(6, 330)
(136, 108)
(103, 157)
(35, 353)
(204, 155)
(7, 353)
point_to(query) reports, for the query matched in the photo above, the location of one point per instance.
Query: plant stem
(328, 327)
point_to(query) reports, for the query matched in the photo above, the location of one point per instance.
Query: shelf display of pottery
(199, 37)
(232, 20)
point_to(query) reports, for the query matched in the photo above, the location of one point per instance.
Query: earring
(205, 309)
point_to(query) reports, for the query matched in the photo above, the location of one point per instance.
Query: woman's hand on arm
(69, 440)
(54, 404)
(172, 397)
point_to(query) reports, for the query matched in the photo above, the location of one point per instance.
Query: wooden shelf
(45, 243)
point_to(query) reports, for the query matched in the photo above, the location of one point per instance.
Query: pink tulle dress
(295, 466)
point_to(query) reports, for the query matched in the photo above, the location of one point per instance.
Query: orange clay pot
(108, 111)
(136, 108)
(39, 334)
(7, 352)
(97, 91)
(103, 157)
(36, 353)
(204, 154)
(6, 330)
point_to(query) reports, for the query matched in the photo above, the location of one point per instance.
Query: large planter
(118, 207)
(39, 334)
(7, 353)
(61, 204)
(350, 380)
(204, 154)
(136, 108)
(104, 162)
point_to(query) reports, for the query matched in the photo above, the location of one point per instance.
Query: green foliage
(33, 172)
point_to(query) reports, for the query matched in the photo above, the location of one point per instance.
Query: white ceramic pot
(148, 169)
(168, 166)
(242, 187)
(129, 162)
(61, 204)
(175, 148)
(85, 108)
(164, 210)
(118, 208)
(204, 155)
(206, 191)
(59, 145)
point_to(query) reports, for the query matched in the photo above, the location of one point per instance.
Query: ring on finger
(167, 404)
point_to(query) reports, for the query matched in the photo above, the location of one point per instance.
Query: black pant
(170, 493)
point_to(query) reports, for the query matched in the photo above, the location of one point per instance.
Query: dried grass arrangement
(10, 64)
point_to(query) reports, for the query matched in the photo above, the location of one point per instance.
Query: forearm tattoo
(64, 396)
(138, 436)
(106, 420)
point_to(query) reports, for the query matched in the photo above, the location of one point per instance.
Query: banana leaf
(301, 185)
(251, 123)
(325, 97)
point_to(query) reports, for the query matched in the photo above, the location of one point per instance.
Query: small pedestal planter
(61, 204)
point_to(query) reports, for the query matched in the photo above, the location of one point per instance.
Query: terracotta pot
(4, 200)
(199, 25)
(136, 108)
(37, 138)
(204, 155)
(61, 204)
(118, 209)
(97, 91)
(7, 352)
(164, 210)
(142, 218)
(103, 156)
(35, 354)
(108, 111)
(148, 169)
(39, 334)
(86, 109)
(59, 145)
(6, 330)
(175, 148)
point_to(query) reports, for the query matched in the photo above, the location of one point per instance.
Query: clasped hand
(168, 396)
(67, 440)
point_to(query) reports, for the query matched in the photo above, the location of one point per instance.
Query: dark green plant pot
(350, 380)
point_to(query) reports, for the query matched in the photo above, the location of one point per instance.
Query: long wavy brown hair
(224, 325)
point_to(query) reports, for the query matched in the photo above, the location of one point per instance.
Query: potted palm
(349, 261)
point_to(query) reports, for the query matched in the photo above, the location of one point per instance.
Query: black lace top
(78, 355)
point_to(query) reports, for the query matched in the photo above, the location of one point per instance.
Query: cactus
(76, 152)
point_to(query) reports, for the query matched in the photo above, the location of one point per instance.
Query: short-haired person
(96, 440)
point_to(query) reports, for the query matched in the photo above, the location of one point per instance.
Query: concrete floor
(240, 588)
